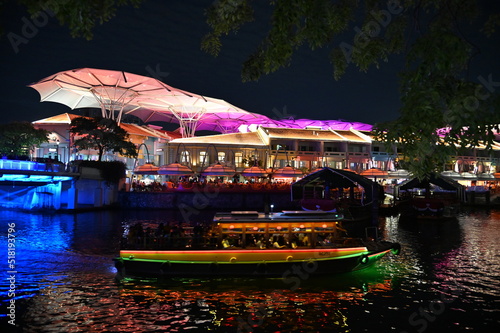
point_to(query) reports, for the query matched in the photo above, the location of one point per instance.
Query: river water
(446, 279)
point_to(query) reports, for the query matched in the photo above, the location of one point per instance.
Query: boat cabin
(288, 229)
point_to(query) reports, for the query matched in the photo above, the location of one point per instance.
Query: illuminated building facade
(302, 144)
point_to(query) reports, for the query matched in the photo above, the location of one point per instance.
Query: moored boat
(251, 243)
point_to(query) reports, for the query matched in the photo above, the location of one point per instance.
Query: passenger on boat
(305, 240)
(225, 243)
(261, 244)
(279, 242)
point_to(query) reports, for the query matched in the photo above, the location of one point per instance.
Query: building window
(184, 158)
(204, 158)
(238, 159)
(221, 157)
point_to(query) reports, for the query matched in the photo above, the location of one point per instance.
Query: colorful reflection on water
(445, 279)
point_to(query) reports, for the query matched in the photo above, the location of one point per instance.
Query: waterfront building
(149, 139)
(271, 148)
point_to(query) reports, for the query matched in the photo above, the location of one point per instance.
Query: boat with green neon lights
(249, 243)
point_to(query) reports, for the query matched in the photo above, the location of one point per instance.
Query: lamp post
(146, 168)
(57, 150)
(147, 151)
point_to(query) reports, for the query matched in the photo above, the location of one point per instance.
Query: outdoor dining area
(185, 184)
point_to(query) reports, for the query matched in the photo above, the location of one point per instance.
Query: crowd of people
(201, 236)
(186, 183)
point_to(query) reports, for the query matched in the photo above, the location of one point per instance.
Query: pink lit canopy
(119, 93)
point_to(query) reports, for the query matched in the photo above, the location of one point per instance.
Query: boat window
(304, 239)
(255, 241)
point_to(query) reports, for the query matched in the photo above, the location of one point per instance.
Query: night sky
(163, 37)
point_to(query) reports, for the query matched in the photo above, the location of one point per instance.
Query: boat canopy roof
(277, 223)
(444, 182)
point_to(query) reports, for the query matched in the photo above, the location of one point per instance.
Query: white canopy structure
(119, 93)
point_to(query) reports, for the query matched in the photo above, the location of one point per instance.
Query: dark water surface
(447, 279)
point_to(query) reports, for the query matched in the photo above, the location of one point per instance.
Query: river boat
(342, 191)
(249, 243)
(435, 198)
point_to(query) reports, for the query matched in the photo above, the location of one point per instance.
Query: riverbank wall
(197, 200)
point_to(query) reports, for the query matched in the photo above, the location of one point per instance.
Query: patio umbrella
(254, 171)
(219, 170)
(350, 170)
(175, 169)
(146, 169)
(374, 173)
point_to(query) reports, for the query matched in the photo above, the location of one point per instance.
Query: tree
(81, 17)
(101, 134)
(443, 110)
(19, 138)
(446, 106)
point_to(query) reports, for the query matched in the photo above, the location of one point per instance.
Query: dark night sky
(166, 35)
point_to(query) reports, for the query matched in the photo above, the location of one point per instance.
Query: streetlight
(147, 168)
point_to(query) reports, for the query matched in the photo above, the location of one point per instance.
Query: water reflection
(147, 305)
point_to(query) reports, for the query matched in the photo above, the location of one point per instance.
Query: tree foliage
(445, 106)
(101, 134)
(80, 16)
(18, 138)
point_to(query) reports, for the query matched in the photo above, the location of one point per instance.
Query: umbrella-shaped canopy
(219, 170)
(146, 169)
(115, 92)
(374, 173)
(196, 112)
(255, 171)
(175, 169)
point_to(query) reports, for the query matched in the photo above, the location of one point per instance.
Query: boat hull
(275, 263)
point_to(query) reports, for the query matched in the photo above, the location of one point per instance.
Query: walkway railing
(31, 165)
